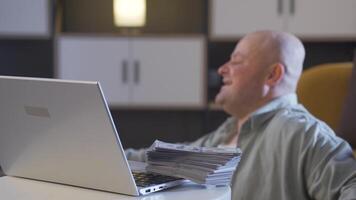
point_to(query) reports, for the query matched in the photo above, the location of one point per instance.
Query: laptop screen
(61, 131)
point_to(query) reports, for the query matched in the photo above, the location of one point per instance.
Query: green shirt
(288, 154)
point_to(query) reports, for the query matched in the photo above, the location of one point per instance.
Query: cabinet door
(168, 71)
(323, 18)
(96, 59)
(24, 18)
(234, 18)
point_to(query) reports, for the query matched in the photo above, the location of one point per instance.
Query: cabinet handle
(137, 71)
(124, 71)
(280, 7)
(292, 7)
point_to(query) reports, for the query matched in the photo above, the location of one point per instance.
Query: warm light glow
(130, 13)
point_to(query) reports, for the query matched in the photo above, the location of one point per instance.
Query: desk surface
(24, 189)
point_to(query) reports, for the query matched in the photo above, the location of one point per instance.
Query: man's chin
(222, 103)
(219, 100)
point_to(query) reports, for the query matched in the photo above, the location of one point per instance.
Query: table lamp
(129, 13)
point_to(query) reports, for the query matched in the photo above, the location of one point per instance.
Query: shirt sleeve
(136, 154)
(209, 140)
(329, 165)
(212, 139)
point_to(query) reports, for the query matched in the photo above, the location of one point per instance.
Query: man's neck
(233, 139)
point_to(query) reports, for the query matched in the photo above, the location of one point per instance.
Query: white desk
(24, 189)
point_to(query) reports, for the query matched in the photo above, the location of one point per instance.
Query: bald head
(271, 47)
(263, 66)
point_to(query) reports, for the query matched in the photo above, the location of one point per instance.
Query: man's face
(243, 80)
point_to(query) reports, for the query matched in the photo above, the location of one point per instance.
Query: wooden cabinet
(25, 18)
(140, 71)
(323, 18)
(231, 19)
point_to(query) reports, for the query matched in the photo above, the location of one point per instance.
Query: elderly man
(287, 153)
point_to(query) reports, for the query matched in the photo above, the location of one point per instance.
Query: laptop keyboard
(146, 179)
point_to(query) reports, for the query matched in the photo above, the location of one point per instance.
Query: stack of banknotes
(203, 165)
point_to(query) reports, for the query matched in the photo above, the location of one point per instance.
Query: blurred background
(158, 66)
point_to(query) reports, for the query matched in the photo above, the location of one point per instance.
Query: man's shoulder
(296, 114)
(296, 121)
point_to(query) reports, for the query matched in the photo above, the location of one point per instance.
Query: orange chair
(322, 90)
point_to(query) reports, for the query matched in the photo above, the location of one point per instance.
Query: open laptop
(62, 131)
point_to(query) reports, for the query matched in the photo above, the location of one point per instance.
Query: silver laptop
(62, 131)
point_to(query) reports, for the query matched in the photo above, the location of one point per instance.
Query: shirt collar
(265, 112)
(279, 102)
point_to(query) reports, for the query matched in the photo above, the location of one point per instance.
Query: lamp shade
(130, 13)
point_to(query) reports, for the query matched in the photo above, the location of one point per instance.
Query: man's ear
(276, 74)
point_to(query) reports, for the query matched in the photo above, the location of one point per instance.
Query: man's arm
(330, 167)
(140, 154)
(213, 139)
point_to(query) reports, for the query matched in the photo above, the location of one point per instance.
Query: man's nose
(223, 69)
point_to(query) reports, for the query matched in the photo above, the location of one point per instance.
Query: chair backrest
(347, 128)
(322, 90)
